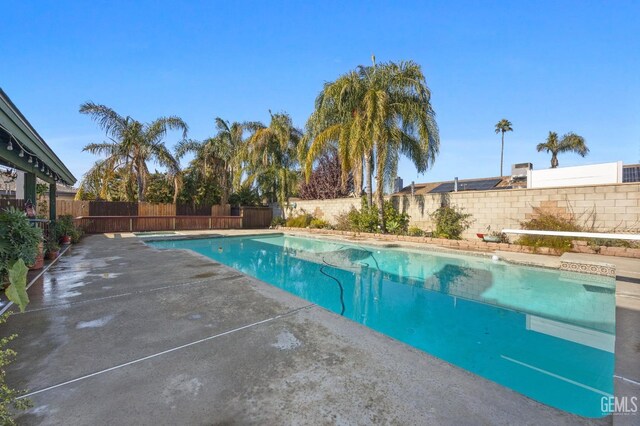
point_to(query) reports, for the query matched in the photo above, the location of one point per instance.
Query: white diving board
(600, 235)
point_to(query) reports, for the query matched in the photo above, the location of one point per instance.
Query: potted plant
(65, 229)
(39, 260)
(52, 247)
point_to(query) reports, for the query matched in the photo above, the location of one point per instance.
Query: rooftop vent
(519, 171)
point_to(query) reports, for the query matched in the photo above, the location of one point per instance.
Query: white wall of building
(594, 174)
(20, 185)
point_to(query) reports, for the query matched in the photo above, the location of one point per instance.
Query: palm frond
(108, 120)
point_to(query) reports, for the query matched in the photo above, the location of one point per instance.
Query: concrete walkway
(120, 333)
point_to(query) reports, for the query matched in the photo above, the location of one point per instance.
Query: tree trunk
(357, 179)
(284, 197)
(502, 155)
(140, 183)
(224, 198)
(369, 171)
(175, 189)
(554, 160)
(380, 196)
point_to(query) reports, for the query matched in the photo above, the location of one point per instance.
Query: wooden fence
(256, 217)
(10, 202)
(72, 207)
(112, 208)
(154, 217)
(123, 208)
(102, 224)
(150, 209)
(104, 216)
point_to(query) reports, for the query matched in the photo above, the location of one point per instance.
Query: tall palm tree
(271, 155)
(174, 171)
(503, 126)
(336, 124)
(221, 153)
(569, 143)
(132, 143)
(228, 145)
(374, 115)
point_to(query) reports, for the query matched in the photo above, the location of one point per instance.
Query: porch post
(52, 201)
(30, 187)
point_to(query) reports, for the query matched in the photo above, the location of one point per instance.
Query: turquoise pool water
(546, 334)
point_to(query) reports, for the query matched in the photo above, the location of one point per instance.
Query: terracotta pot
(51, 255)
(39, 262)
(66, 240)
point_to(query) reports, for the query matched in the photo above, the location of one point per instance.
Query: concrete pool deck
(118, 332)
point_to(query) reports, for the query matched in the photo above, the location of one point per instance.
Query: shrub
(598, 242)
(545, 221)
(317, 223)
(278, 221)
(501, 236)
(395, 221)
(8, 396)
(450, 222)
(18, 240)
(19, 246)
(414, 231)
(343, 222)
(301, 221)
(246, 196)
(365, 219)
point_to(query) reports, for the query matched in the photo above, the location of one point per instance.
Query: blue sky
(559, 65)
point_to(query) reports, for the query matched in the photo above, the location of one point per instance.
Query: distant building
(397, 184)
(482, 184)
(13, 188)
(523, 176)
(65, 192)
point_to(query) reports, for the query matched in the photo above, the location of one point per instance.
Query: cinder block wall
(606, 207)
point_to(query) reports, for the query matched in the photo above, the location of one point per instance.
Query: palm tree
(569, 143)
(174, 171)
(106, 181)
(132, 143)
(503, 126)
(336, 124)
(221, 153)
(228, 145)
(271, 155)
(373, 115)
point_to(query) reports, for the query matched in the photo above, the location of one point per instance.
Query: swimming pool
(547, 334)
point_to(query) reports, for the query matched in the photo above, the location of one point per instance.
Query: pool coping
(524, 259)
(549, 262)
(581, 267)
(597, 280)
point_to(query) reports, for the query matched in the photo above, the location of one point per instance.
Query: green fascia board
(12, 119)
(11, 158)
